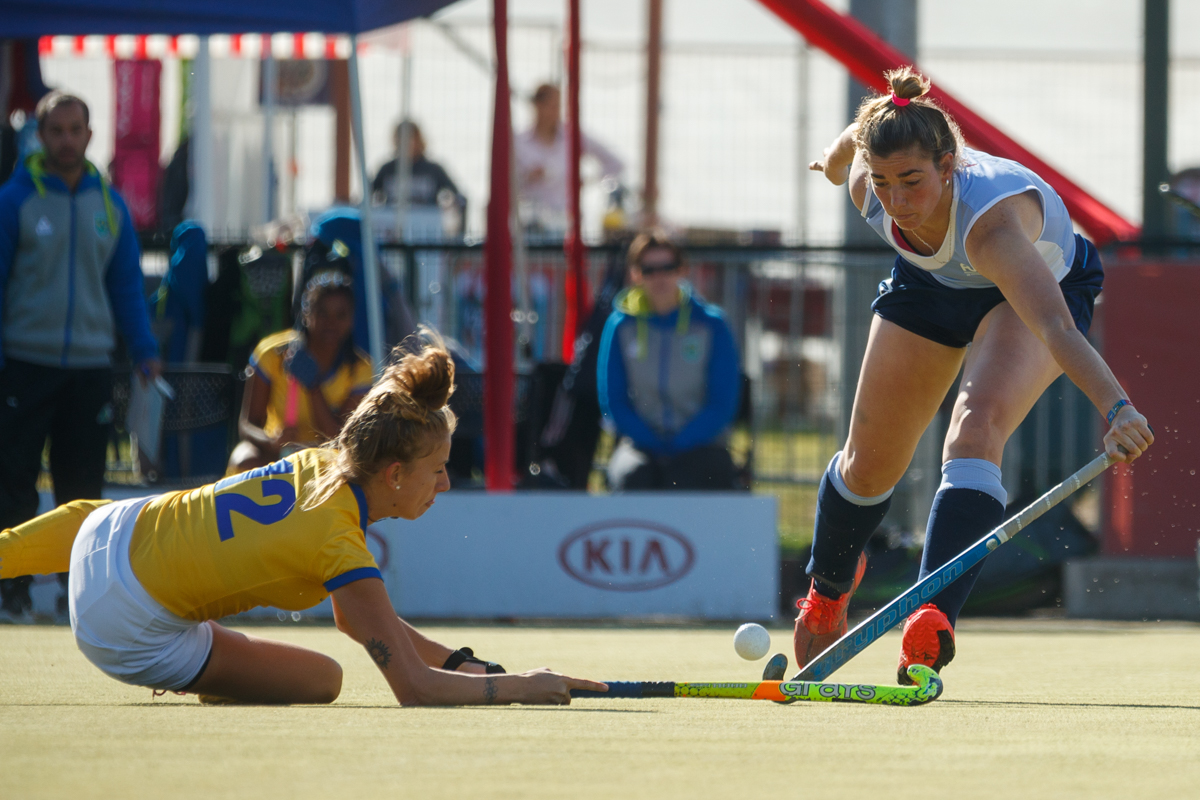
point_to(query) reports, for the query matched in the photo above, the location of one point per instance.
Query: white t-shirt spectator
(542, 174)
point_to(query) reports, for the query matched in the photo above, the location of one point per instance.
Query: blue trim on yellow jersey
(281, 467)
(361, 497)
(258, 370)
(352, 576)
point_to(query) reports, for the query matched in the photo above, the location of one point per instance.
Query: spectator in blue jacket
(668, 378)
(70, 276)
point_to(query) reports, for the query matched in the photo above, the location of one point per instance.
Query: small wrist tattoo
(489, 691)
(379, 653)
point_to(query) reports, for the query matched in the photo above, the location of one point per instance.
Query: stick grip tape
(634, 689)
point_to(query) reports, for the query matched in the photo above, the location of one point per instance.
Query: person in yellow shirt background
(149, 577)
(303, 384)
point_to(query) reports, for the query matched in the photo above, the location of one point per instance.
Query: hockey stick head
(776, 668)
(929, 684)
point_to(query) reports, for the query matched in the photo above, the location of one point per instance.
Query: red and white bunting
(238, 45)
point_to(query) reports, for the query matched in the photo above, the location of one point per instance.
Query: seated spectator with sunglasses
(303, 383)
(668, 378)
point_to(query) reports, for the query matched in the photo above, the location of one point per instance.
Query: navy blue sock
(841, 532)
(958, 519)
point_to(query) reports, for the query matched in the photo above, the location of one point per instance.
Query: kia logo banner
(566, 555)
(626, 555)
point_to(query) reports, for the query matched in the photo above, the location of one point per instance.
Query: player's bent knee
(977, 435)
(246, 457)
(868, 482)
(328, 685)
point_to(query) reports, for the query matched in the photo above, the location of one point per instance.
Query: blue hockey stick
(895, 612)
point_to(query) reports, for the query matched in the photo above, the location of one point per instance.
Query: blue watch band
(1112, 412)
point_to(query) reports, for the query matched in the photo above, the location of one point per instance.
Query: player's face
(422, 480)
(909, 185)
(331, 320)
(65, 135)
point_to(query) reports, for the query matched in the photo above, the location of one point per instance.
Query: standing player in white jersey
(987, 258)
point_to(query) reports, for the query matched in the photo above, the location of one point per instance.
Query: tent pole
(270, 84)
(498, 433)
(369, 255)
(403, 157)
(576, 290)
(202, 205)
(653, 82)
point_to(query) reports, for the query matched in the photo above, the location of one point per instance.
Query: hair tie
(900, 102)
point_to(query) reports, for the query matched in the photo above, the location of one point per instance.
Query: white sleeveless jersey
(981, 181)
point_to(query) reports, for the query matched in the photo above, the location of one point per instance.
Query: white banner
(709, 556)
(567, 555)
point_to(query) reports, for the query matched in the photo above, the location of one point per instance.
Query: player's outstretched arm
(364, 612)
(837, 158)
(1001, 247)
(842, 163)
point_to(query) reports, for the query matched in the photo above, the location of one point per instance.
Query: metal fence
(800, 317)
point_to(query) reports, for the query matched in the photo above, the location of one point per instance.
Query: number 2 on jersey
(229, 502)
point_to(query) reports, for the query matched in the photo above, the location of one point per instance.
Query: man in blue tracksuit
(70, 276)
(668, 378)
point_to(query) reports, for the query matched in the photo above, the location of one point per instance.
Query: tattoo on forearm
(379, 653)
(489, 690)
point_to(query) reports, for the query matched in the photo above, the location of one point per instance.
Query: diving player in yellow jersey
(149, 577)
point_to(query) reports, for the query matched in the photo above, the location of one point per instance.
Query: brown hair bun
(884, 127)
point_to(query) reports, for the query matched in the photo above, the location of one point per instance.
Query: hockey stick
(895, 612)
(928, 687)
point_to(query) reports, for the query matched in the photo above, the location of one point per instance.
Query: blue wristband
(1112, 412)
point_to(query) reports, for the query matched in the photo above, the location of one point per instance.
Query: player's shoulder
(311, 458)
(309, 465)
(362, 360)
(277, 343)
(983, 174)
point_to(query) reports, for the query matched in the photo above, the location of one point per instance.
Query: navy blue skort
(912, 299)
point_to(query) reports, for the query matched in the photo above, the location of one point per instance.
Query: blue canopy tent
(34, 18)
(29, 18)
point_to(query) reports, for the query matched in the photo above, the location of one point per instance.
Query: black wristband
(457, 658)
(465, 655)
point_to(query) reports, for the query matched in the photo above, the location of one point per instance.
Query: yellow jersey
(223, 548)
(346, 379)
(245, 541)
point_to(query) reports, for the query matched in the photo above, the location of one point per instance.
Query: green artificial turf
(1032, 709)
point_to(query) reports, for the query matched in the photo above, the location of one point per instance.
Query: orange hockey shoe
(822, 621)
(928, 640)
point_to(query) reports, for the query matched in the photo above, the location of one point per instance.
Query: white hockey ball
(752, 641)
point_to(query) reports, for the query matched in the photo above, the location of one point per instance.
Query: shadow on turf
(1065, 705)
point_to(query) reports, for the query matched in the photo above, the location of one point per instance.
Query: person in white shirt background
(541, 156)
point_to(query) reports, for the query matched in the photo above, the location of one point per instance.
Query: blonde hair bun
(401, 418)
(426, 379)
